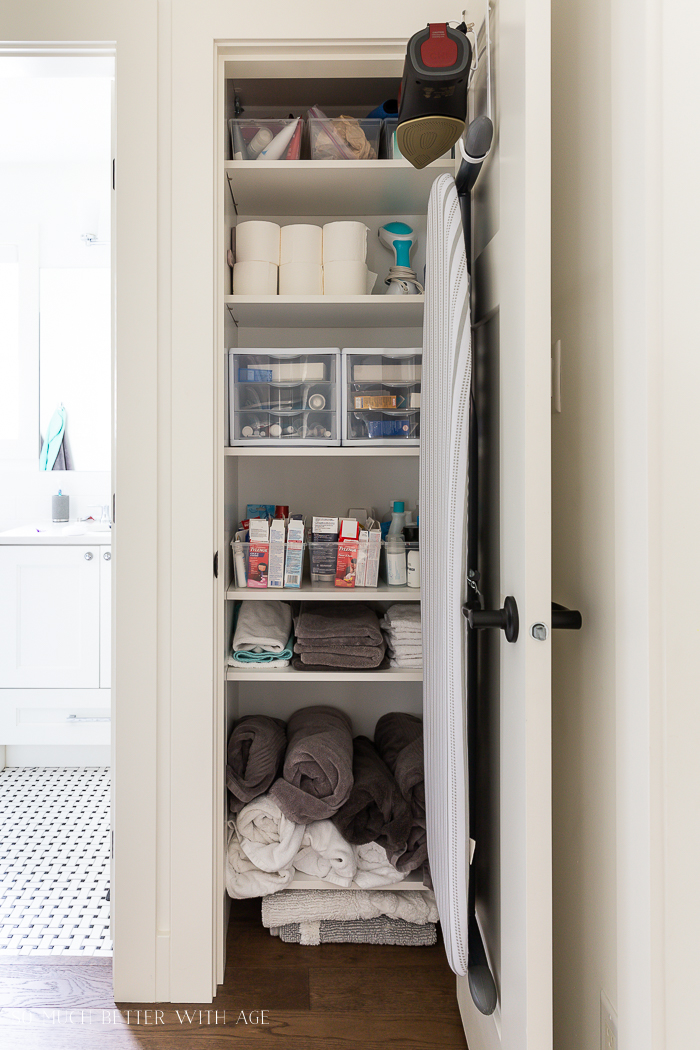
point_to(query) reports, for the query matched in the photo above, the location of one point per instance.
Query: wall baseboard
(49, 755)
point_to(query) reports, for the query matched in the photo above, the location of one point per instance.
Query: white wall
(583, 538)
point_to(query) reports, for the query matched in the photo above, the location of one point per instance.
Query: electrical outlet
(608, 1024)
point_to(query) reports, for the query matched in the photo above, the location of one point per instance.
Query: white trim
(636, 178)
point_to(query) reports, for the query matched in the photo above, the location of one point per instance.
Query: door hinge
(114, 508)
(114, 173)
(216, 565)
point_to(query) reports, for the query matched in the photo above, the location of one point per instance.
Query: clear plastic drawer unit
(381, 396)
(284, 397)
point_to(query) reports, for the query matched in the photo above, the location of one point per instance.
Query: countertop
(80, 533)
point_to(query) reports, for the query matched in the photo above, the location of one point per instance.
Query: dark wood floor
(332, 997)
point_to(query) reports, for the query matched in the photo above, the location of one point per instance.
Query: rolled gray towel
(255, 752)
(359, 931)
(317, 772)
(399, 740)
(376, 811)
(353, 621)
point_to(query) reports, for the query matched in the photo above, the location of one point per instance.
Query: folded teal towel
(245, 657)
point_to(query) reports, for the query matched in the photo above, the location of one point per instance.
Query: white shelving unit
(316, 480)
(324, 187)
(326, 311)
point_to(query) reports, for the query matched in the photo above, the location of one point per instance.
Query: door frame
(129, 31)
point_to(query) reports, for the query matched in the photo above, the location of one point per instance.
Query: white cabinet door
(511, 314)
(49, 617)
(105, 618)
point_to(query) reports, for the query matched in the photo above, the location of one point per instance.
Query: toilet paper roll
(301, 243)
(345, 278)
(254, 278)
(258, 241)
(345, 242)
(371, 281)
(301, 279)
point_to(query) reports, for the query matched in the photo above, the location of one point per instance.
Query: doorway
(56, 448)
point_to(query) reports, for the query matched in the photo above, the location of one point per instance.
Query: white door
(49, 617)
(511, 315)
(105, 555)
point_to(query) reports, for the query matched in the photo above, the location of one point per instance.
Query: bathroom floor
(54, 861)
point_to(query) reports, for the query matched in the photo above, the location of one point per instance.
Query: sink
(58, 532)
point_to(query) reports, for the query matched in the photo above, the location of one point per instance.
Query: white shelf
(326, 311)
(324, 450)
(392, 674)
(332, 187)
(301, 881)
(325, 592)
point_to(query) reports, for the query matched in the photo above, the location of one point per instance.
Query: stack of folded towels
(337, 634)
(402, 630)
(347, 916)
(262, 636)
(306, 797)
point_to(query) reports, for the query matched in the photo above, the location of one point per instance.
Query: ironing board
(446, 380)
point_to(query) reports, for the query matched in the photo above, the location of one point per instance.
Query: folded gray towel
(255, 751)
(359, 931)
(336, 648)
(352, 621)
(311, 658)
(317, 773)
(376, 811)
(399, 740)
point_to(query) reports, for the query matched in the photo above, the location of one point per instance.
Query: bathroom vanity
(55, 592)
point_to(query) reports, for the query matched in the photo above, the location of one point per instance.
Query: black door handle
(506, 619)
(564, 619)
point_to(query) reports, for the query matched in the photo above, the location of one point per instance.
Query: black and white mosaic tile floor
(54, 861)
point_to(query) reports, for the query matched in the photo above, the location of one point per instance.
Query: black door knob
(505, 619)
(564, 619)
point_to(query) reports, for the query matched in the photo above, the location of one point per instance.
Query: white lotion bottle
(396, 548)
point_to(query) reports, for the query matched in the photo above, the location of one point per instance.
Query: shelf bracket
(230, 189)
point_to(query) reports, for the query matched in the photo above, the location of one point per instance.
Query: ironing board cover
(446, 378)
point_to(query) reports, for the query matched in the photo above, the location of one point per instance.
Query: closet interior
(314, 477)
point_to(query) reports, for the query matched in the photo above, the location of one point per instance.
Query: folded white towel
(263, 627)
(407, 650)
(374, 869)
(267, 838)
(313, 905)
(404, 661)
(244, 879)
(325, 854)
(402, 613)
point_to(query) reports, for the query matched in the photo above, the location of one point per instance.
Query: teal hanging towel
(54, 439)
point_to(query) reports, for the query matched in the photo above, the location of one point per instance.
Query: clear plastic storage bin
(381, 396)
(400, 566)
(344, 138)
(277, 566)
(284, 397)
(389, 146)
(354, 569)
(250, 137)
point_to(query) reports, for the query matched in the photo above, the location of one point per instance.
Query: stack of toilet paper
(301, 260)
(257, 258)
(345, 259)
(310, 260)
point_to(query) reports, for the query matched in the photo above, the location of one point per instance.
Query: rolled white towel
(325, 854)
(374, 869)
(244, 879)
(267, 837)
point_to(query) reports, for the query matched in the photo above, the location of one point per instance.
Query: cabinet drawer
(55, 716)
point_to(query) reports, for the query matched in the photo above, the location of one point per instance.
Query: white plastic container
(381, 396)
(286, 397)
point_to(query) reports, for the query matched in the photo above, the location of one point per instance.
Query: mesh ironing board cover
(446, 377)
